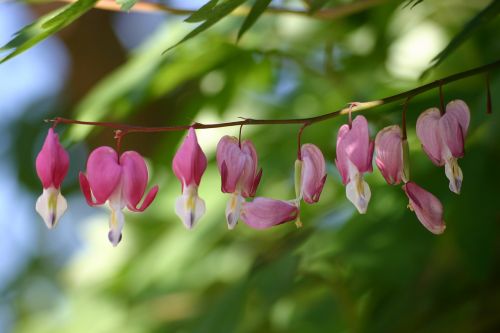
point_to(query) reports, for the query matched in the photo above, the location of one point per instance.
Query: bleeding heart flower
(354, 158)
(312, 171)
(239, 176)
(121, 181)
(264, 213)
(426, 206)
(443, 138)
(52, 165)
(391, 157)
(189, 164)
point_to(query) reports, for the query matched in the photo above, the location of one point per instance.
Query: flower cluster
(120, 180)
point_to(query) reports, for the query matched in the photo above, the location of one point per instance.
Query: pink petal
(189, 162)
(85, 187)
(354, 145)
(135, 180)
(103, 172)
(264, 213)
(389, 151)
(52, 162)
(341, 159)
(249, 180)
(313, 175)
(230, 157)
(453, 126)
(427, 207)
(429, 135)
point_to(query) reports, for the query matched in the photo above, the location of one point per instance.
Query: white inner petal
(233, 209)
(454, 174)
(189, 207)
(51, 205)
(357, 190)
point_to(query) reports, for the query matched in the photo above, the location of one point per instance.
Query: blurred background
(341, 272)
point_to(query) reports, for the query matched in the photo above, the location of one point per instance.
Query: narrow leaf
(481, 19)
(203, 13)
(126, 4)
(215, 16)
(44, 27)
(257, 10)
(413, 3)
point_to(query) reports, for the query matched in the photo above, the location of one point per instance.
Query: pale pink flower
(189, 164)
(312, 173)
(390, 156)
(443, 138)
(354, 158)
(239, 176)
(264, 213)
(426, 206)
(52, 165)
(118, 180)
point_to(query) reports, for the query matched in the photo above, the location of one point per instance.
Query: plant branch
(325, 14)
(352, 107)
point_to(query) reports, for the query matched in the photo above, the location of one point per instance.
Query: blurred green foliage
(341, 272)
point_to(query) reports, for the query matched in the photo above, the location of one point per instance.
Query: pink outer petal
(103, 172)
(85, 187)
(429, 135)
(357, 145)
(135, 180)
(232, 160)
(353, 144)
(249, 179)
(427, 207)
(264, 213)
(313, 174)
(189, 162)
(454, 125)
(341, 160)
(389, 151)
(52, 162)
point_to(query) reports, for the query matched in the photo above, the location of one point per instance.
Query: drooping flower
(118, 180)
(189, 164)
(391, 158)
(311, 169)
(443, 138)
(239, 176)
(354, 158)
(52, 164)
(426, 206)
(264, 213)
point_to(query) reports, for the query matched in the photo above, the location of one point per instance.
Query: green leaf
(316, 5)
(203, 13)
(481, 19)
(212, 17)
(126, 4)
(258, 8)
(44, 27)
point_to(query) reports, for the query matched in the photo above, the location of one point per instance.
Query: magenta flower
(119, 180)
(312, 173)
(239, 175)
(189, 164)
(52, 165)
(354, 158)
(443, 138)
(264, 213)
(426, 206)
(389, 150)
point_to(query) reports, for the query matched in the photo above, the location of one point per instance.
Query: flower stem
(248, 121)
